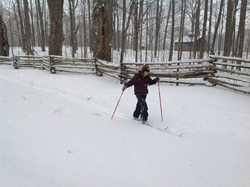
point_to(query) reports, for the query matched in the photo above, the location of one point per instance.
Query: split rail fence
(232, 73)
(228, 72)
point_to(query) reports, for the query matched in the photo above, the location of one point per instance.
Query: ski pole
(160, 101)
(117, 105)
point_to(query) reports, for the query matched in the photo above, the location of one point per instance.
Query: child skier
(141, 80)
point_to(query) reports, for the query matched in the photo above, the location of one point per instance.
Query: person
(140, 81)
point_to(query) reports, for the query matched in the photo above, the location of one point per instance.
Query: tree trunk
(125, 27)
(102, 29)
(33, 40)
(4, 43)
(56, 27)
(27, 28)
(90, 27)
(248, 47)
(17, 25)
(181, 30)
(203, 40)
(221, 35)
(209, 30)
(166, 28)
(11, 34)
(229, 28)
(232, 41)
(123, 32)
(140, 28)
(217, 26)
(123, 36)
(73, 28)
(147, 28)
(136, 29)
(242, 27)
(84, 32)
(157, 26)
(197, 31)
(38, 31)
(46, 25)
(172, 32)
(41, 25)
(116, 29)
(21, 24)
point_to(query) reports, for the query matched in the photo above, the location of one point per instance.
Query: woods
(146, 29)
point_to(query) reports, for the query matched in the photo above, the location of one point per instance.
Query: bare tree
(84, 28)
(197, 29)
(172, 32)
(203, 39)
(230, 26)
(241, 32)
(40, 13)
(248, 45)
(183, 6)
(217, 26)
(17, 24)
(125, 27)
(166, 28)
(220, 38)
(102, 29)
(73, 28)
(191, 13)
(210, 25)
(56, 36)
(157, 26)
(46, 22)
(33, 38)
(27, 27)
(116, 27)
(4, 43)
(90, 27)
(21, 25)
(137, 25)
(147, 31)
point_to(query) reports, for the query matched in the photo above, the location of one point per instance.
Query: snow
(56, 130)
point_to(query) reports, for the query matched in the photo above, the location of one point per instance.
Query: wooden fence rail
(27, 61)
(232, 73)
(6, 60)
(189, 72)
(74, 65)
(228, 72)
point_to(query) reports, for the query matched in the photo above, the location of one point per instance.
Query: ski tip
(181, 135)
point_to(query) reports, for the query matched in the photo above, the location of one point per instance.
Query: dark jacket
(140, 83)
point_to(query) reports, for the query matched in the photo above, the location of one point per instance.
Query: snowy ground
(56, 130)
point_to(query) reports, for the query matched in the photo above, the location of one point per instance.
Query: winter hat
(145, 68)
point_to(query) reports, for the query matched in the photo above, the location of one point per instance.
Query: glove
(124, 88)
(157, 79)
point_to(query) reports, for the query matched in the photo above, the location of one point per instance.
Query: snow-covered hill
(56, 130)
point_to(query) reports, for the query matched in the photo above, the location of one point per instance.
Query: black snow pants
(141, 109)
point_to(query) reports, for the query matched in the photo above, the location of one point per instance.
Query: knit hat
(145, 68)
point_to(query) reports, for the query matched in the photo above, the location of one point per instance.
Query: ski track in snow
(68, 97)
(81, 102)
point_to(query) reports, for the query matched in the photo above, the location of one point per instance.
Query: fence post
(52, 68)
(15, 62)
(121, 73)
(96, 71)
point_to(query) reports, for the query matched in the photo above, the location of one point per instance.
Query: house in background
(188, 42)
